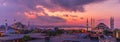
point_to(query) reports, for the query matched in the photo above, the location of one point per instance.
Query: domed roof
(18, 25)
(102, 26)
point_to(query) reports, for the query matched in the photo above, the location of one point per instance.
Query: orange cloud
(30, 15)
(72, 18)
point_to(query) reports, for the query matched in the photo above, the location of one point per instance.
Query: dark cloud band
(73, 5)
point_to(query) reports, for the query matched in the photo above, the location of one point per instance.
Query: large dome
(102, 26)
(18, 25)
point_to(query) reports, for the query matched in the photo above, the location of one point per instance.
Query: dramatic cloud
(50, 19)
(72, 5)
(51, 5)
(40, 9)
(68, 15)
(44, 17)
(55, 5)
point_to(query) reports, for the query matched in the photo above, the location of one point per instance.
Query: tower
(92, 23)
(112, 22)
(6, 25)
(87, 24)
(28, 25)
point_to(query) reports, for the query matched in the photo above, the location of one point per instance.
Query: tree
(107, 32)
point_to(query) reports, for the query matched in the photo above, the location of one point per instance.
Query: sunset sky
(59, 12)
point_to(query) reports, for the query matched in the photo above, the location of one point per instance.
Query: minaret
(15, 23)
(28, 25)
(87, 24)
(112, 22)
(14, 20)
(6, 25)
(92, 23)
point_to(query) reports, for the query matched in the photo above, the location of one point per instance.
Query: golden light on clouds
(60, 13)
(70, 17)
(30, 15)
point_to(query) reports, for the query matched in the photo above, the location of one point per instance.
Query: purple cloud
(55, 5)
(50, 19)
(73, 5)
(16, 8)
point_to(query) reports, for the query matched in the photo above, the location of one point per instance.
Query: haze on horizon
(59, 12)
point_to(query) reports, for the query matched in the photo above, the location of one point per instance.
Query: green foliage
(107, 32)
(50, 33)
(59, 32)
(53, 33)
(26, 38)
(74, 31)
(36, 31)
(25, 31)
